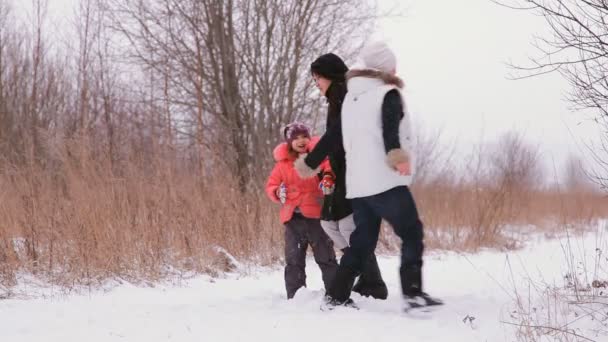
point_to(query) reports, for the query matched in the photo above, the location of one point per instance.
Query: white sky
(452, 56)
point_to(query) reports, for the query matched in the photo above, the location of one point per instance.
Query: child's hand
(404, 169)
(327, 185)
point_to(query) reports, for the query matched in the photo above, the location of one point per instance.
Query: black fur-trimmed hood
(370, 73)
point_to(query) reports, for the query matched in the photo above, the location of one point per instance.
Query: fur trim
(370, 73)
(397, 156)
(281, 152)
(303, 170)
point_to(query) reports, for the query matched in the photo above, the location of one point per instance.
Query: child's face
(300, 143)
(322, 83)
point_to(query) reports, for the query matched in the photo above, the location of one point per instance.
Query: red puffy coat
(301, 193)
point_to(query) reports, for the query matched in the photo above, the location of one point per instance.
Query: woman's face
(322, 83)
(300, 143)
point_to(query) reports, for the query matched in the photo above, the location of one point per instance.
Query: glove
(327, 185)
(282, 193)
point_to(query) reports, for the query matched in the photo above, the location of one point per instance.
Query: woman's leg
(370, 283)
(346, 227)
(331, 228)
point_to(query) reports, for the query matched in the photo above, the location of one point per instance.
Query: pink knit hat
(291, 131)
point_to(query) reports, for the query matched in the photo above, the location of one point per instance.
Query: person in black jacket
(329, 72)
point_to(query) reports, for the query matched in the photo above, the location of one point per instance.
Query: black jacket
(335, 206)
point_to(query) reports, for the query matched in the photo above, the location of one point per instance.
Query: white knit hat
(378, 56)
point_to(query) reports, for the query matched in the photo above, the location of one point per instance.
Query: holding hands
(327, 184)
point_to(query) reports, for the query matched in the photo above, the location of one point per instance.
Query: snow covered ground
(479, 291)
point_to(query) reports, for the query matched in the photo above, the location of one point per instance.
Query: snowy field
(479, 291)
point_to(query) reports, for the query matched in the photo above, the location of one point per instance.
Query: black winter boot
(339, 292)
(411, 280)
(370, 283)
(411, 284)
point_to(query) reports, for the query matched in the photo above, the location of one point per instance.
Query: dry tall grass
(83, 222)
(500, 188)
(81, 218)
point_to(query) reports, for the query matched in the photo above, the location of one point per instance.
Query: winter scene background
(136, 138)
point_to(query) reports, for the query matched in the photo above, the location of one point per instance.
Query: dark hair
(329, 66)
(335, 96)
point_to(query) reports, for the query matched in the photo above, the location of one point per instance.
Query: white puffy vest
(367, 170)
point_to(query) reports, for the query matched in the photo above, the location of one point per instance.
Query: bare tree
(433, 157)
(512, 172)
(235, 71)
(575, 177)
(4, 37)
(32, 88)
(96, 82)
(577, 49)
(516, 163)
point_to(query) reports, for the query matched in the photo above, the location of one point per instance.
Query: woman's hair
(333, 68)
(335, 96)
(329, 66)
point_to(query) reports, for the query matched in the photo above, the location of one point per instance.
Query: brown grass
(467, 218)
(497, 194)
(79, 219)
(82, 222)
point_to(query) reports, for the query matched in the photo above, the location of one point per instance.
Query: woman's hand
(404, 169)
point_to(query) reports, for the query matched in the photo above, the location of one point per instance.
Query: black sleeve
(392, 113)
(331, 137)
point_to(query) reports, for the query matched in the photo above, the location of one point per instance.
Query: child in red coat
(301, 201)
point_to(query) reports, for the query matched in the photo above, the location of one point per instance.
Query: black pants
(300, 232)
(396, 206)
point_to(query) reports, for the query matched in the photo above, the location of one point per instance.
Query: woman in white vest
(379, 169)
